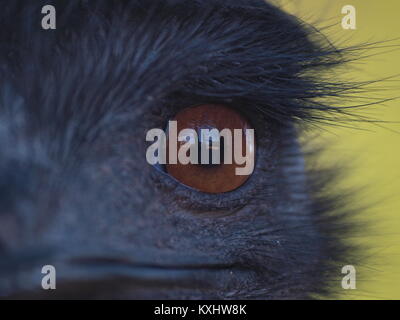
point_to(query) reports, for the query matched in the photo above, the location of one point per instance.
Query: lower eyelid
(180, 195)
(183, 196)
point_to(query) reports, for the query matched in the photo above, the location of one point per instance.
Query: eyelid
(189, 198)
(257, 187)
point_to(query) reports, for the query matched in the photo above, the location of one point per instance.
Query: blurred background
(372, 149)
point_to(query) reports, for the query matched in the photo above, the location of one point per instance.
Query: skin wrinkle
(92, 89)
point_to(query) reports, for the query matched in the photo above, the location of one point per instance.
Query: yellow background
(373, 149)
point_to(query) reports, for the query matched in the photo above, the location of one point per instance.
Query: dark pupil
(210, 153)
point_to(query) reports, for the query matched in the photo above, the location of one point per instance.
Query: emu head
(77, 193)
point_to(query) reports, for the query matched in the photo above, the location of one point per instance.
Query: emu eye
(215, 148)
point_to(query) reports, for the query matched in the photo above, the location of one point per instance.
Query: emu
(77, 193)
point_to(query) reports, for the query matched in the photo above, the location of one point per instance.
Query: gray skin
(77, 193)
